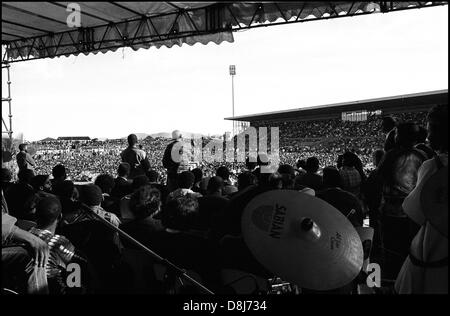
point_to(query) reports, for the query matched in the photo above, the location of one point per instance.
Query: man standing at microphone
(173, 160)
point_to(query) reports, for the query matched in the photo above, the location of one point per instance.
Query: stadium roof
(34, 30)
(413, 102)
(74, 138)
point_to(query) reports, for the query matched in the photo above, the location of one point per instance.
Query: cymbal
(434, 200)
(302, 239)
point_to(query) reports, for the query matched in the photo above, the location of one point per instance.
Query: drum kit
(303, 240)
(309, 243)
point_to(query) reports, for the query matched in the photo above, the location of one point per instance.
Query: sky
(189, 88)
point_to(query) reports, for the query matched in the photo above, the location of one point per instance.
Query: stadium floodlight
(233, 73)
(232, 70)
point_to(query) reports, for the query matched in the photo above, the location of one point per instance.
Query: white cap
(176, 134)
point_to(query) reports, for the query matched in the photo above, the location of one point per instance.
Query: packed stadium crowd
(84, 161)
(190, 214)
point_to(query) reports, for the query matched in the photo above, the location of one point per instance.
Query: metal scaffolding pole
(7, 129)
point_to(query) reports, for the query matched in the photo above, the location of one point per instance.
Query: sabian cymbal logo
(278, 221)
(335, 241)
(270, 219)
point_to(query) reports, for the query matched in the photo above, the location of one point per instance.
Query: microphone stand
(164, 261)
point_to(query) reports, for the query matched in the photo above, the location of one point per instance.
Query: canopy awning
(34, 30)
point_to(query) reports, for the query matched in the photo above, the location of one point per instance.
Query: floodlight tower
(233, 73)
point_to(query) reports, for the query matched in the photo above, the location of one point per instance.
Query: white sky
(189, 87)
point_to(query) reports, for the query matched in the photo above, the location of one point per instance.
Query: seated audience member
(42, 185)
(347, 203)
(62, 252)
(389, 124)
(398, 170)
(17, 260)
(212, 205)
(99, 243)
(21, 198)
(372, 191)
(425, 270)
(224, 173)
(59, 174)
(68, 196)
(182, 243)
(276, 181)
(300, 164)
(185, 183)
(91, 197)
(288, 176)
(233, 253)
(122, 186)
(153, 178)
(310, 179)
(198, 174)
(6, 178)
(145, 204)
(263, 170)
(350, 177)
(246, 179)
(138, 182)
(106, 183)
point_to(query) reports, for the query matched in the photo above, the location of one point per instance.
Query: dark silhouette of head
(132, 140)
(186, 180)
(124, 169)
(223, 172)
(388, 123)
(437, 127)
(25, 175)
(245, 180)
(152, 175)
(59, 172)
(215, 185)
(181, 213)
(23, 147)
(331, 177)
(198, 174)
(407, 134)
(48, 211)
(312, 165)
(41, 182)
(105, 182)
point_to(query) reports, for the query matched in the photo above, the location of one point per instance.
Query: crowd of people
(191, 214)
(327, 139)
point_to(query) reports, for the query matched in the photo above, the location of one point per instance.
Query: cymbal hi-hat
(302, 239)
